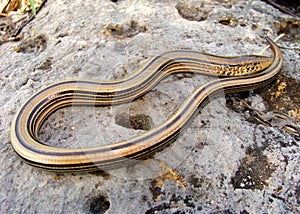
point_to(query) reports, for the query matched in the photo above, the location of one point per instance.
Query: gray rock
(221, 163)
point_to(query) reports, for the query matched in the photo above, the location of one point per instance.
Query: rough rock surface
(221, 163)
